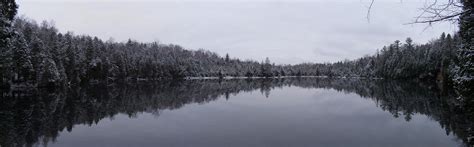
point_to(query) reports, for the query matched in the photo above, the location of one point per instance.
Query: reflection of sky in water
(290, 116)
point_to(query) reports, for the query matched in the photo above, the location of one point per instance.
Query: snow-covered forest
(37, 55)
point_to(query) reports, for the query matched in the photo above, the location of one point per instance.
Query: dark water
(259, 112)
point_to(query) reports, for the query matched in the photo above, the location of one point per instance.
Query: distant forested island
(37, 55)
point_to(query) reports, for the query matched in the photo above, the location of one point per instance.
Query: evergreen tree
(23, 71)
(227, 58)
(267, 68)
(465, 67)
(8, 10)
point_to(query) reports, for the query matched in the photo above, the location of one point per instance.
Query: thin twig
(449, 17)
(369, 9)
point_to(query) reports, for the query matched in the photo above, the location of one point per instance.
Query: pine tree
(48, 74)
(23, 71)
(465, 68)
(267, 68)
(8, 10)
(227, 58)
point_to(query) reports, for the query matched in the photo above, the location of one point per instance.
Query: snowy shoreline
(280, 77)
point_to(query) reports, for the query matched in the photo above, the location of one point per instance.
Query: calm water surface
(272, 112)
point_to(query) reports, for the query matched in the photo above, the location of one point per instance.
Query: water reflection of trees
(29, 117)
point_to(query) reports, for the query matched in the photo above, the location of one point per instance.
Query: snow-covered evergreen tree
(8, 10)
(465, 69)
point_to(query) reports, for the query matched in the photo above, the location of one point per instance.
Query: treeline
(395, 61)
(407, 60)
(34, 117)
(38, 55)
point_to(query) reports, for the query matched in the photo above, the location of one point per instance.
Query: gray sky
(286, 31)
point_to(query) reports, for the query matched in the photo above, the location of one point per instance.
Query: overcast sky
(286, 31)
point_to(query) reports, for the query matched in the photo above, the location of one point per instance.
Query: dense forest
(40, 56)
(37, 55)
(38, 116)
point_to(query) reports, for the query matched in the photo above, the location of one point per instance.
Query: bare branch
(444, 18)
(435, 11)
(368, 10)
(438, 12)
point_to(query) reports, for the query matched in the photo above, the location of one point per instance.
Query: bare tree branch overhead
(434, 11)
(439, 11)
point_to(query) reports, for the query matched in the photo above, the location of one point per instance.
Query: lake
(237, 112)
